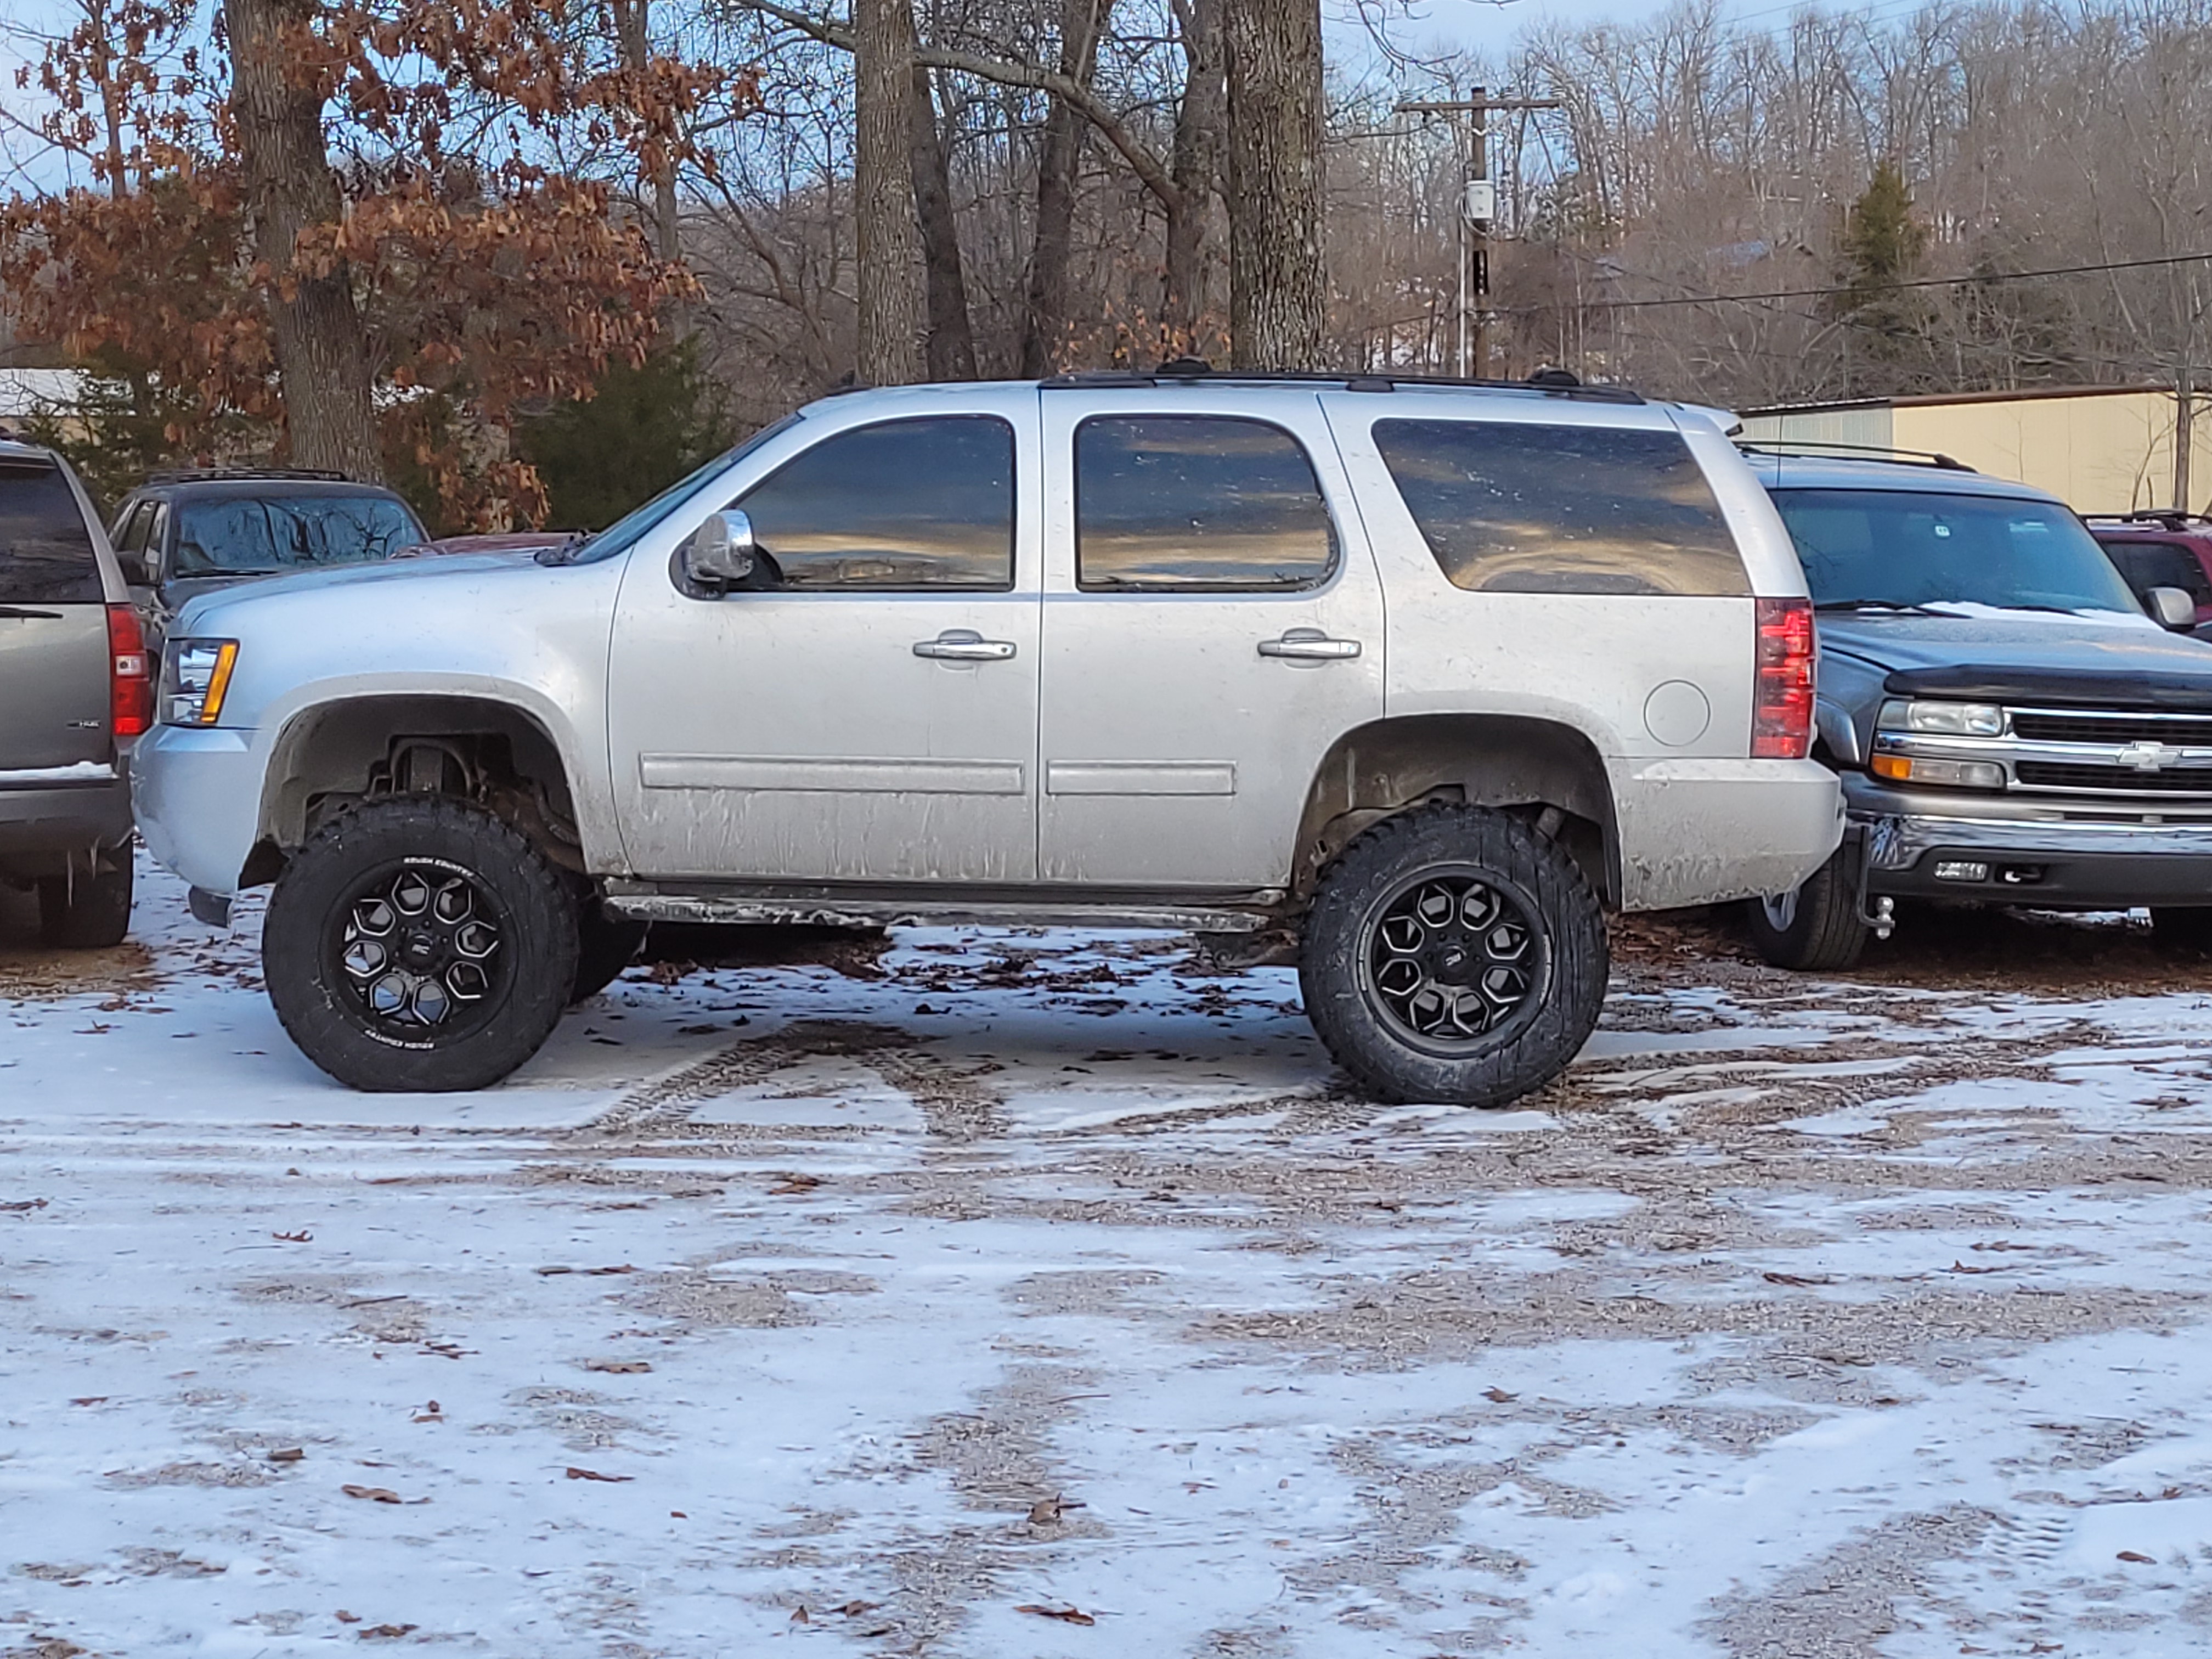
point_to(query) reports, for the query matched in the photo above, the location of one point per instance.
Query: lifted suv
(74, 694)
(1428, 673)
(2010, 726)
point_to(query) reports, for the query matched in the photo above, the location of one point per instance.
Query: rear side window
(903, 507)
(1168, 502)
(2162, 565)
(1509, 507)
(45, 548)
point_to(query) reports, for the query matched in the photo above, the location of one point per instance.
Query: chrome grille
(2052, 726)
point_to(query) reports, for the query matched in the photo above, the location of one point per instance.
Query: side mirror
(2171, 607)
(720, 554)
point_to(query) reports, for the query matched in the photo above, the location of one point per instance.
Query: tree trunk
(1197, 168)
(633, 42)
(322, 349)
(1278, 291)
(1044, 328)
(950, 347)
(882, 189)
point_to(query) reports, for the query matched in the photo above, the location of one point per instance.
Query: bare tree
(890, 328)
(1278, 285)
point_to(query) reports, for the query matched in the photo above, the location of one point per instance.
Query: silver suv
(75, 693)
(1429, 673)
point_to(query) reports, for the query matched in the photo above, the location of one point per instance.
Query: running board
(886, 913)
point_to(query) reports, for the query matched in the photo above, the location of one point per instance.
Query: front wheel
(1816, 928)
(418, 943)
(1451, 955)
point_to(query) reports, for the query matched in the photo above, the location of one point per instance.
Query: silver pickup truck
(1428, 673)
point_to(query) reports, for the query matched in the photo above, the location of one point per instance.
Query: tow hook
(1880, 914)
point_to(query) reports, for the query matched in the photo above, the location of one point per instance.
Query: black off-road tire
(2185, 928)
(90, 912)
(352, 860)
(1816, 929)
(605, 944)
(1476, 856)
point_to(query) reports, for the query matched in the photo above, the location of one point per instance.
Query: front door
(866, 710)
(1213, 625)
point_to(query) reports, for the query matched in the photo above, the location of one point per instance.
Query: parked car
(182, 534)
(1427, 674)
(2161, 550)
(2009, 726)
(75, 693)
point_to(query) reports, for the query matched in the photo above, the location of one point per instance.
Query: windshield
(623, 533)
(261, 536)
(1891, 548)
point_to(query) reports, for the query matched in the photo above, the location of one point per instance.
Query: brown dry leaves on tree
(488, 283)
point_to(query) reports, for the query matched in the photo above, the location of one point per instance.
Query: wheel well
(330, 756)
(1544, 771)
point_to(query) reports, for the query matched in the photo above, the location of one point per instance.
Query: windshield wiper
(568, 551)
(1897, 605)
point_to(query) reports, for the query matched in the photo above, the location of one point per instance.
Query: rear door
(53, 626)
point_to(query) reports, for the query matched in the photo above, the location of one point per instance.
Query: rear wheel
(2182, 927)
(89, 912)
(1451, 955)
(1817, 927)
(421, 943)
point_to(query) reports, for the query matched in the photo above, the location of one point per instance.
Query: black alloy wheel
(1454, 961)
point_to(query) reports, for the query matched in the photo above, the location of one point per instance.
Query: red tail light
(1782, 713)
(130, 677)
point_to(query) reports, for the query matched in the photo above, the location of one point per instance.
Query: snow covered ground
(1042, 1295)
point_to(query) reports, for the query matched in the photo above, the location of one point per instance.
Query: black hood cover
(2029, 658)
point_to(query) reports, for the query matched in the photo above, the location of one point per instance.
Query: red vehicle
(2161, 550)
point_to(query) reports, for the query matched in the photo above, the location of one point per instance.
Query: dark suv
(2161, 550)
(75, 693)
(182, 534)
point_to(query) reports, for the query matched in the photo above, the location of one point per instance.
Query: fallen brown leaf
(91, 1399)
(288, 1454)
(375, 1494)
(384, 1630)
(575, 1473)
(1498, 1396)
(618, 1367)
(22, 1206)
(795, 1183)
(799, 1616)
(1793, 1279)
(854, 1609)
(1961, 1267)
(303, 1236)
(1065, 1615)
(1047, 1511)
(2137, 1556)
(345, 1618)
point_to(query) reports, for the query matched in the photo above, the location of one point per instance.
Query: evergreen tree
(642, 430)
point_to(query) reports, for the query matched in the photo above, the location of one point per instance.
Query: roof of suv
(220, 484)
(1796, 472)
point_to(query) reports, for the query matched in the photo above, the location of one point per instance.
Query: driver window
(905, 505)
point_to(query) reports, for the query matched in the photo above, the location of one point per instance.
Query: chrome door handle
(965, 644)
(1309, 645)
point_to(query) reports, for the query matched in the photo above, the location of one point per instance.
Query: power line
(1891, 288)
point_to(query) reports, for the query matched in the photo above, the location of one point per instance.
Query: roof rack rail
(2166, 517)
(1818, 447)
(1548, 382)
(204, 474)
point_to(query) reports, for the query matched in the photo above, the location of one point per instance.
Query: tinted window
(130, 537)
(1929, 547)
(906, 505)
(45, 547)
(237, 536)
(2160, 564)
(1196, 502)
(1517, 508)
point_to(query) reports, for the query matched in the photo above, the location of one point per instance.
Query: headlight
(1950, 719)
(194, 676)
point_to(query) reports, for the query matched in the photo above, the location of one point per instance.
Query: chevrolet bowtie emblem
(2148, 756)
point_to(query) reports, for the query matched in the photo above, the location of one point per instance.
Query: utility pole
(2184, 431)
(1478, 207)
